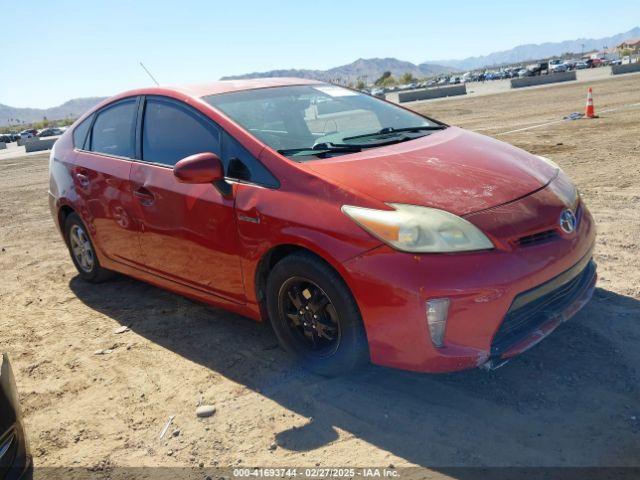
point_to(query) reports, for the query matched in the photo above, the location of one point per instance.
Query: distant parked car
(50, 132)
(538, 68)
(558, 68)
(15, 136)
(595, 62)
(377, 92)
(5, 138)
(15, 460)
(581, 65)
(524, 72)
(28, 133)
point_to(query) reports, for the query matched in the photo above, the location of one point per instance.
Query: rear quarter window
(114, 130)
(80, 133)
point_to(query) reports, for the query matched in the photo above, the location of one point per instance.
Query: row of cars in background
(31, 133)
(517, 71)
(434, 82)
(533, 69)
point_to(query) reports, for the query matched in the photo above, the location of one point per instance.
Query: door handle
(144, 196)
(83, 180)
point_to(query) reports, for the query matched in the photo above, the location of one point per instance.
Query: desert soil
(573, 400)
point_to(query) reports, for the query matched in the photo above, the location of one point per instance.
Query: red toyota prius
(361, 230)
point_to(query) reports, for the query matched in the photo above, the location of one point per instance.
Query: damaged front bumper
(536, 313)
(484, 289)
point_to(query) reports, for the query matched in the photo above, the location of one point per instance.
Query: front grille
(537, 238)
(547, 235)
(531, 309)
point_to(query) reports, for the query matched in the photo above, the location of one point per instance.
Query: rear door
(104, 153)
(188, 232)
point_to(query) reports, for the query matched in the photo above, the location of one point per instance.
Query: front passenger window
(114, 130)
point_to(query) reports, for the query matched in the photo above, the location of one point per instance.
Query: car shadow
(567, 402)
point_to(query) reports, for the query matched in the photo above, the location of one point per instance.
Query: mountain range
(522, 53)
(367, 70)
(71, 109)
(372, 68)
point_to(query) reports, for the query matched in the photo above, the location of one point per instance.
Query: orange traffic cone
(590, 112)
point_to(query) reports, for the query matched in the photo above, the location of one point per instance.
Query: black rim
(310, 315)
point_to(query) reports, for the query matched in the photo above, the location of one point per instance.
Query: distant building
(604, 54)
(630, 47)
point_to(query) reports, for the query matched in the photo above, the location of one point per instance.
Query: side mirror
(199, 168)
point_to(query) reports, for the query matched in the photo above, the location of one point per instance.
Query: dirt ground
(573, 400)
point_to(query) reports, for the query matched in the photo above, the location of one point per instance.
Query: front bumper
(391, 289)
(536, 313)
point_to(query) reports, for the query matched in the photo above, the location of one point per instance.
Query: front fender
(269, 218)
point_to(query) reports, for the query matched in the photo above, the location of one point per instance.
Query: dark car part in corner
(15, 460)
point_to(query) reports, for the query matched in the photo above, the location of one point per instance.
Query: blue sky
(68, 49)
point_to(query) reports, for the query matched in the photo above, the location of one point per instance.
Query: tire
(84, 256)
(302, 280)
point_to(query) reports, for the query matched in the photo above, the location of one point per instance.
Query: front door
(188, 232)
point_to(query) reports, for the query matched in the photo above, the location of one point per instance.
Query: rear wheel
(83, 252)
(315, 316)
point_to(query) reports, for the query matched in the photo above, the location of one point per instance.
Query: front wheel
(315, 317)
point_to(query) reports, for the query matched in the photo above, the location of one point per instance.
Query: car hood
(454, 170)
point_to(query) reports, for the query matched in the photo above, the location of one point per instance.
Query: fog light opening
(437, 312)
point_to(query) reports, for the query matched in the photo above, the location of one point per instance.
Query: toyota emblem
(567, 221)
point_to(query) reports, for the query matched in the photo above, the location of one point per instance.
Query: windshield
(320, 120)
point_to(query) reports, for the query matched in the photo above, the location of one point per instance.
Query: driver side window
(171, 132)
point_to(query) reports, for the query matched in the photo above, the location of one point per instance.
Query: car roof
(227, 86)
(206, 89)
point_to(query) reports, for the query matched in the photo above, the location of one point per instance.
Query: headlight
(419, 229)
(562, 186)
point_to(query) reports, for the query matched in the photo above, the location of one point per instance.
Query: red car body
(505, 192)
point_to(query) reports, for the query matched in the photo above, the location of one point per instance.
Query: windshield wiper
(320, 148)
(388, 130)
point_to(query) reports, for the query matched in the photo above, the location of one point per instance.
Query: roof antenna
(149, 73)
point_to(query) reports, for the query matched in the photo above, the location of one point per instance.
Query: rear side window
(114, 130)
(80, 132)
(171, 132)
